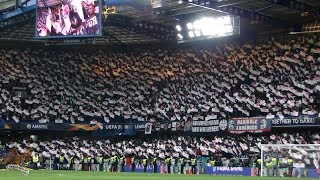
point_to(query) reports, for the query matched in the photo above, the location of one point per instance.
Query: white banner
(174, 126)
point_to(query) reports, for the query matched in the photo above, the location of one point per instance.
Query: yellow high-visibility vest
(259, 161)
(35, 159)
(61, 158)
(100, 160)
(144, 161)
(269, 164)
(168, 160)
(85, 160)
(213, 162)
(193, 161)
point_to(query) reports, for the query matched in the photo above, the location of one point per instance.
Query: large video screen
(68, 18)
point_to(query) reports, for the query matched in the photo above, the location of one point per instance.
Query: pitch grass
(82, 175)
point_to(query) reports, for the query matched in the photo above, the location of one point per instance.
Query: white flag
(148, 128)
(174, 126)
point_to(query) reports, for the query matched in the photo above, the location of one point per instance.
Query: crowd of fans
(271, 79)
(227, 151)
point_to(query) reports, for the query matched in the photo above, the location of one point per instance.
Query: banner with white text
(209, 126)
(300, 121)
(250, 124)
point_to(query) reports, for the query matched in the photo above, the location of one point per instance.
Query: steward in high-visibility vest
(181, 160)
(35, 160)
(274, 161)
(112, 160)
(90, 163)
(155, 165)
(71, 163)
(168, 163)
(269, 165)
(100, 162)
(72, 160)
(290, 166)
(121, 162)
(133, 164)
(259, 161)
(212, 162)
(181, 163)
(85, 164)
(193, 165)
(61, 161)
(115, 159)
(144, 162)
(193, 161)
(114, 165)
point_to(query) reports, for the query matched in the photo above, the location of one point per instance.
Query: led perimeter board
(68, 18)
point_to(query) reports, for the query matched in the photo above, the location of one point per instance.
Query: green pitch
(81, 175)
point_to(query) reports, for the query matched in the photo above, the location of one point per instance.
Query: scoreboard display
(68, 18)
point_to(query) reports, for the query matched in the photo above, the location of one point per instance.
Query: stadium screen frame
(98, 15)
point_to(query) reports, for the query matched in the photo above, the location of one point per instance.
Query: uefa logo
(29, 126)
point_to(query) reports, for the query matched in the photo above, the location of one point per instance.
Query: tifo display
(197, 88)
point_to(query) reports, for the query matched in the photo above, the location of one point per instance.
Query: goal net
(290, 160)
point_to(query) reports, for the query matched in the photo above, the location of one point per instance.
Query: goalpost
(290, 160)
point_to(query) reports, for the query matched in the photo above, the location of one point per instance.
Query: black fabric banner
(235, 125)
(73, 127)
(209, 126)
(296, 121)
(253, 125)
(37, 126)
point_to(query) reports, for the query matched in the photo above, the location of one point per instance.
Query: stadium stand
(269, 79)
(159, 86)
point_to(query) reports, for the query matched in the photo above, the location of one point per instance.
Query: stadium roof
(137, 21)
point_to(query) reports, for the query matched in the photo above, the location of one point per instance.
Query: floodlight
(197, 33)
(180, 36)
(178, 27)
(190, 26)
(191, 34)
(228, 28)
